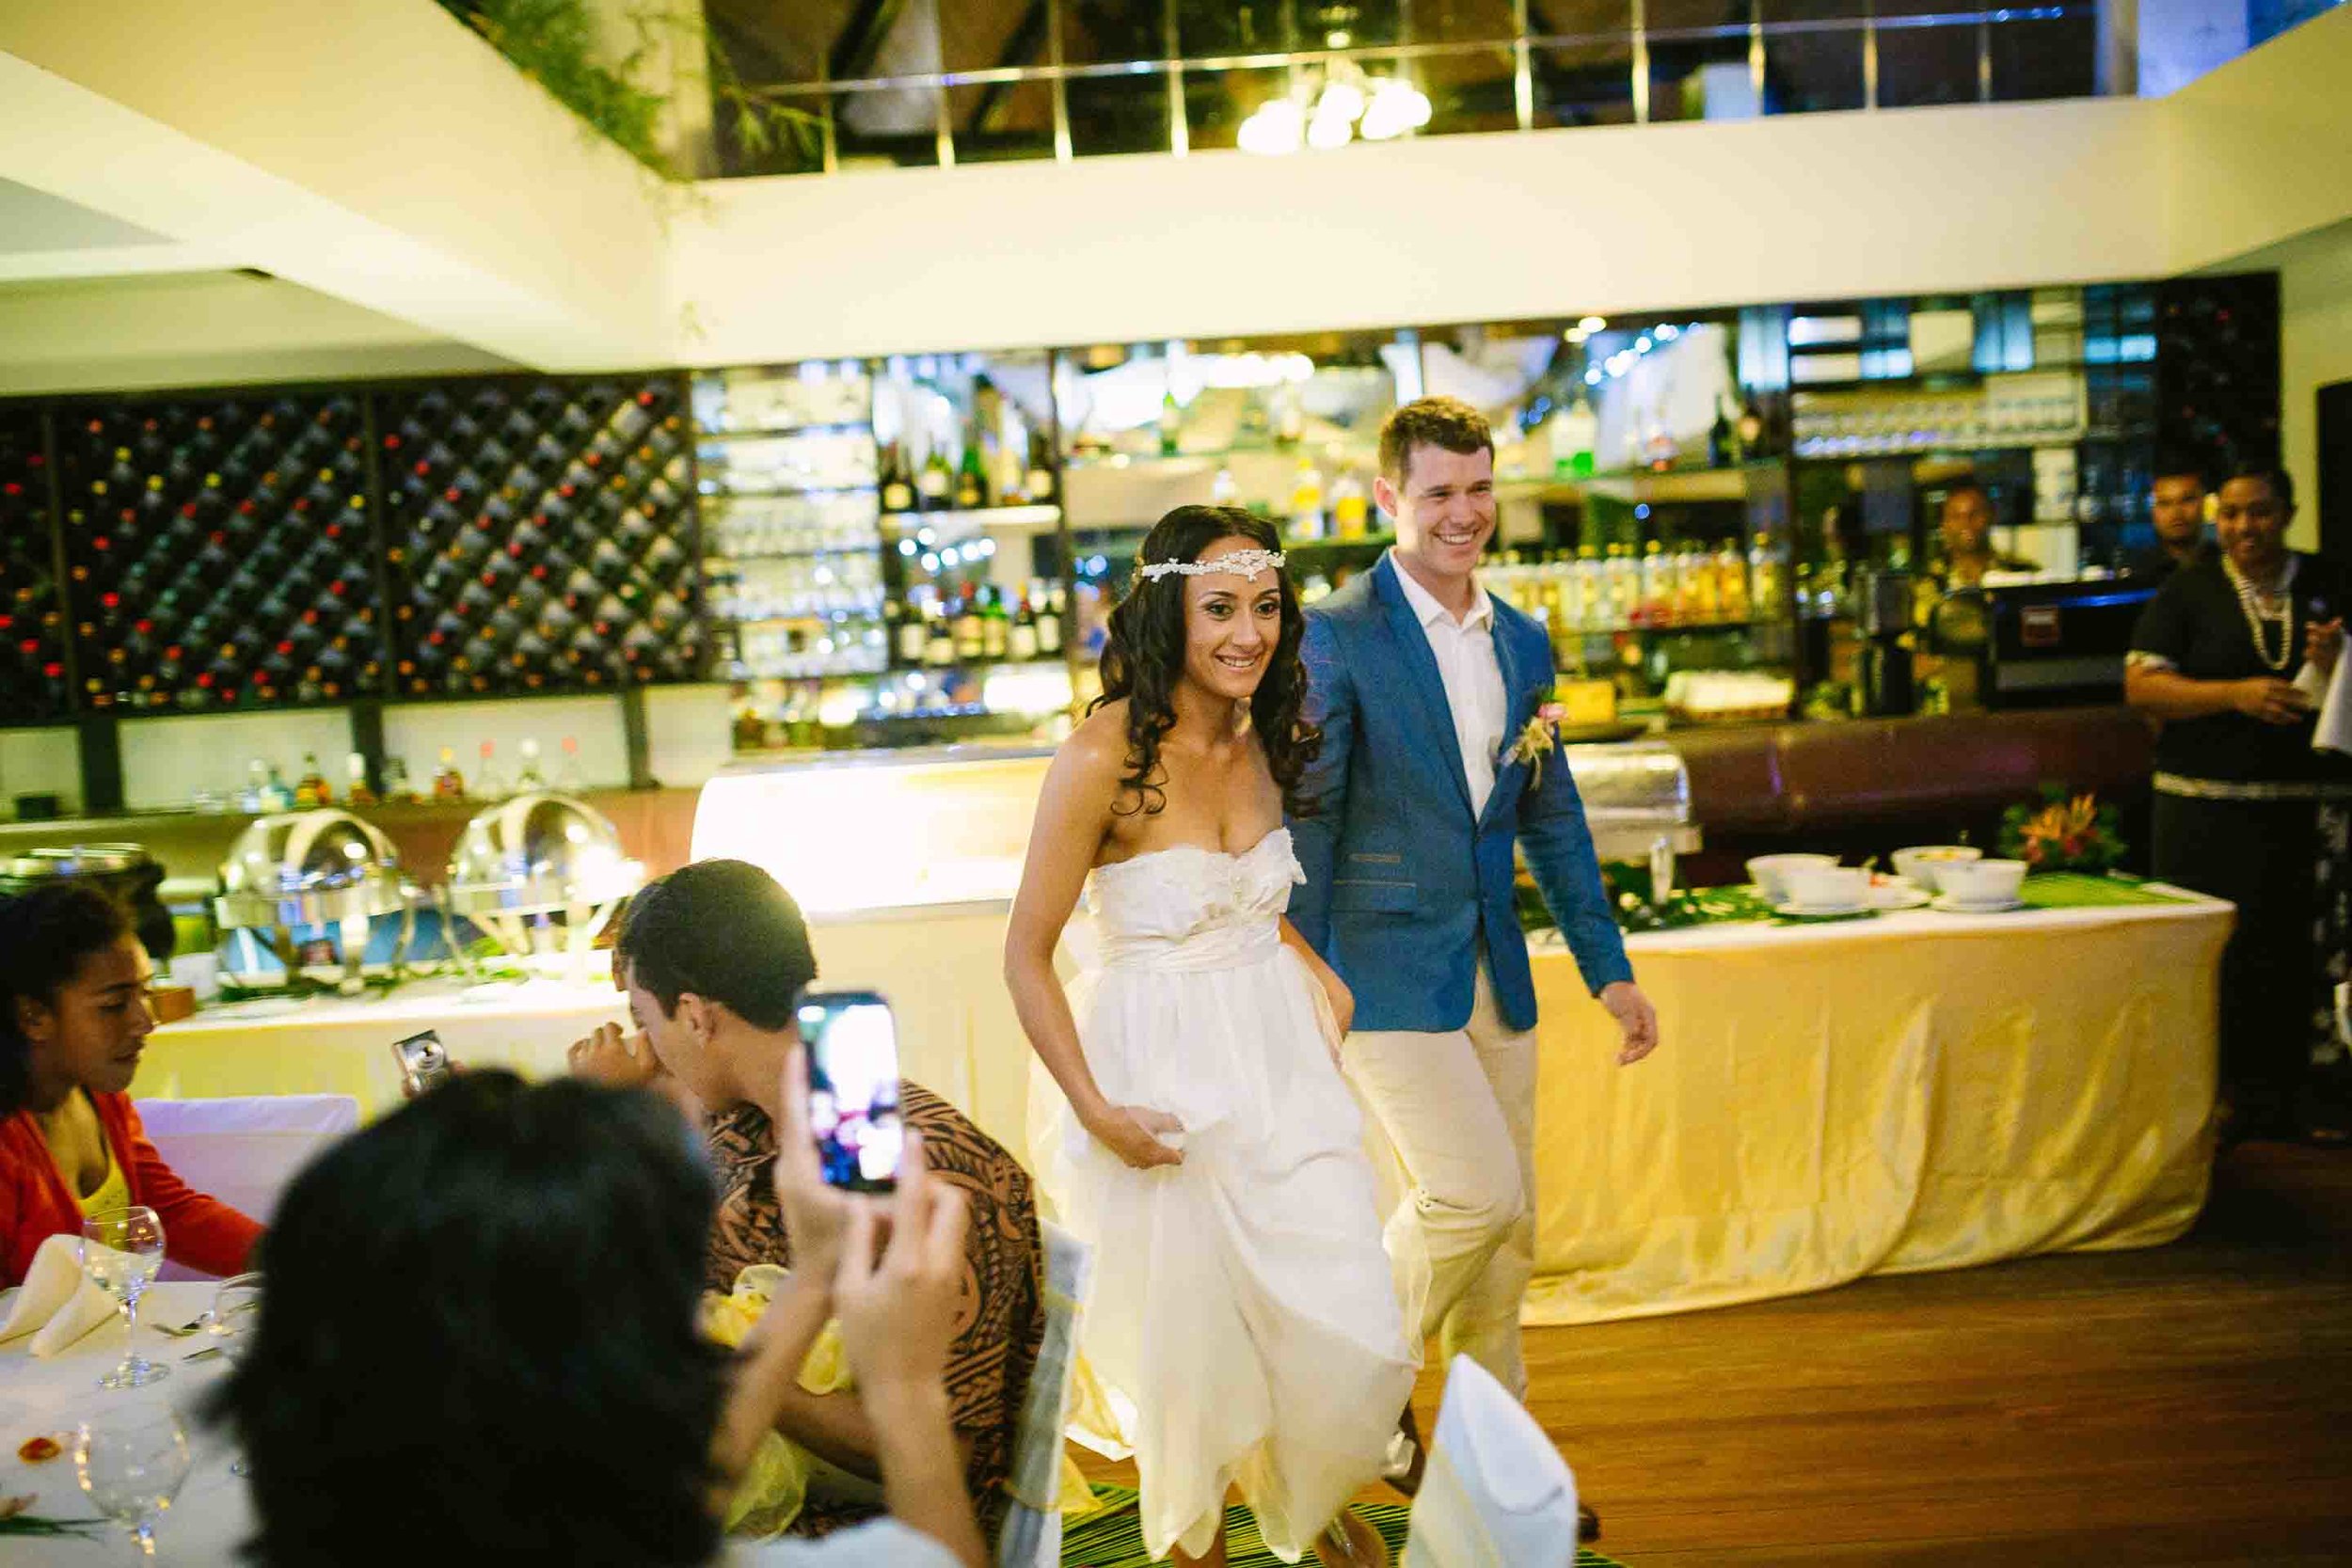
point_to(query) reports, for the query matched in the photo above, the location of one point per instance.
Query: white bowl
(1921, 862)
(1981, 881)
(1770, 872)
(1828, 887)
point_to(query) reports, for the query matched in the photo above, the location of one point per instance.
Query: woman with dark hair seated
(480, 1344)
(74, 1021)
(714, 957)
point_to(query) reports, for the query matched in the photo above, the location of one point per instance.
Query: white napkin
(58, 1299)
(2335, 708)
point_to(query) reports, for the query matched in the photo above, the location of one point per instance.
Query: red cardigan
(36, 1202)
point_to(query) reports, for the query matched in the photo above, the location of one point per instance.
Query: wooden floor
(2186, 1404)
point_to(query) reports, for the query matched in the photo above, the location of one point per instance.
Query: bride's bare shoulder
(1097, 746)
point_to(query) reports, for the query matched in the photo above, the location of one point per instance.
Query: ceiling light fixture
(1345, 104)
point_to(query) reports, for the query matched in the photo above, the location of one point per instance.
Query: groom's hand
(1637, 1021)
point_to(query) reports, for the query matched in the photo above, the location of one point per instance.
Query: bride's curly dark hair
(1143, 659)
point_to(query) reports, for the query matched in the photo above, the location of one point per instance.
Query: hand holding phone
(852, 1043)
(423, 1062)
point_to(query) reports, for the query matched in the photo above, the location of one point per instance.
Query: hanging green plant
(554, 43)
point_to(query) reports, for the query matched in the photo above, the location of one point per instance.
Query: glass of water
(130, 1463)
(121, 1249)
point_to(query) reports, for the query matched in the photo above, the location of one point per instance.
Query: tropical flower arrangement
(2062, 832)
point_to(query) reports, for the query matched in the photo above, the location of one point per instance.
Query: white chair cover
(244, 1151)
(1031, 1534)
(1496, 1493)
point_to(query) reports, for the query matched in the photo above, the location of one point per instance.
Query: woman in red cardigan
(73, 1019)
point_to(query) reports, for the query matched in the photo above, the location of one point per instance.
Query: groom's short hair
(1446, 422)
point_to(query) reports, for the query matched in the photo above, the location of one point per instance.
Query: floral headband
(1245, 564)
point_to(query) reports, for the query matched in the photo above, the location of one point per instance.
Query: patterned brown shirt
(1001, 1316)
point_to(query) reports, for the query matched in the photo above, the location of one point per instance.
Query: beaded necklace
(2251, 599)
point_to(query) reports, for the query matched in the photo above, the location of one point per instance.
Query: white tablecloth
(211, 1515)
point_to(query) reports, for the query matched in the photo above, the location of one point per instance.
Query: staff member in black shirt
(2176, 507)
(2239, 792)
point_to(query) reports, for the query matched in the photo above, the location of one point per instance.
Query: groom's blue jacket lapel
(1411, 645)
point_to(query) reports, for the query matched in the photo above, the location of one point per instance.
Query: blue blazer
(1402, 880)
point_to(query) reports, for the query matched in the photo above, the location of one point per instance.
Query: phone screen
(852, 1044)
(423, 1062)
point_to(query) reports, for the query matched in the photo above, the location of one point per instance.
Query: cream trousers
(1459, 1111)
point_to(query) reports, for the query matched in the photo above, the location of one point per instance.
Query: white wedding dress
(1243, 1320)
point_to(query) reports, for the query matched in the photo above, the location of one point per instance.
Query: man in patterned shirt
(714, 957)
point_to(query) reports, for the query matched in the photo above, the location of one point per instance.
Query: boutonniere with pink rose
(1535, 742)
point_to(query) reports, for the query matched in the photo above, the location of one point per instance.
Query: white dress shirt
(1465, 651)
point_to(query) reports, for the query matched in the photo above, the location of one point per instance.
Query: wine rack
(2217, 371)
(540, 536)
(33, 686)
(218, 553)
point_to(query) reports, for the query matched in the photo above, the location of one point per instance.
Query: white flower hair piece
(1246, 565)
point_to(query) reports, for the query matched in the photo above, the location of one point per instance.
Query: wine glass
(130, 1463)
(235, 1311)
(121, 1249)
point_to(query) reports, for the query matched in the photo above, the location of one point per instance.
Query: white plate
(1952, 906)
(1817, 912)
(1897, 897)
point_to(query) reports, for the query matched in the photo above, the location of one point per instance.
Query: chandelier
(1345, 104)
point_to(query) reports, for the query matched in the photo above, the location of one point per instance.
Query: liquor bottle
(939, 641)
(357, 794)
(312, 789)
(448, 783)
(1049, 621)
(1023, 643)
(971, 475)
(256, 790)
(275, 794)
(1722, 440)
(1222, 490)
(1306, 509)
(1171, 422)
(1574, 432)
(914, 633)
(1351, 511)
(936, 484)
(897, 490)
(1038, 481)
(399, 789)
(969, 640)
(995, 626)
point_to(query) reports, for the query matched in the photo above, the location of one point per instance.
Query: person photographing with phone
(716, 962)
(2232, 656)
(482, 1346)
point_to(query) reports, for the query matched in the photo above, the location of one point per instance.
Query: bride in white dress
(1243, 1315)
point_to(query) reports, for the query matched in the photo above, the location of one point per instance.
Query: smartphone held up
(852, 1043)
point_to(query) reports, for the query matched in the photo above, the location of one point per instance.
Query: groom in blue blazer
(1426, 688)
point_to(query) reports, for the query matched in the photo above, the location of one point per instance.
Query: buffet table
(1909, 1092)
(342, 1045)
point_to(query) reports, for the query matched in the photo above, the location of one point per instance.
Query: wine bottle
(996, 626)
(971, 478)
(1023, 644)
(448, 783)
(968, 635)
(914, 633)
(1049, 623)
(936, 484)
(530, 779)
(898, 491)
(939, 641)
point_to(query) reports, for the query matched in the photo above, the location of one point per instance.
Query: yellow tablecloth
(342, 1045)
(1917, 1091)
